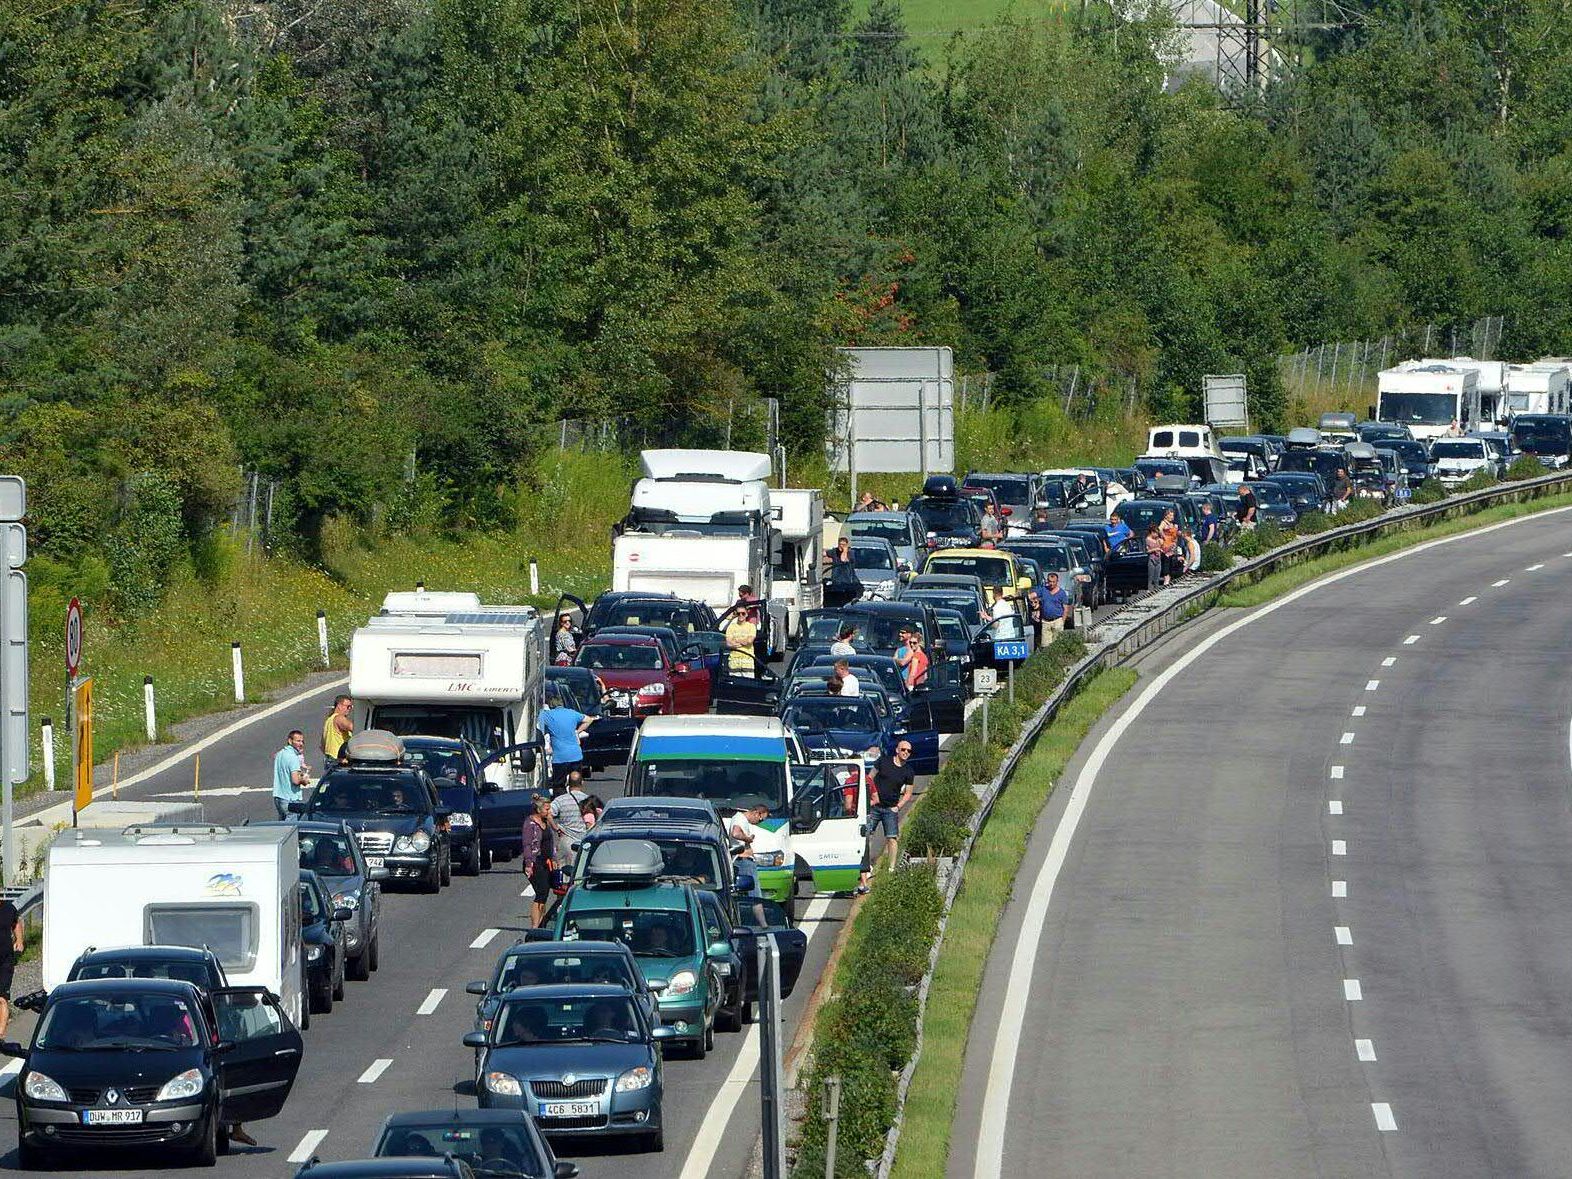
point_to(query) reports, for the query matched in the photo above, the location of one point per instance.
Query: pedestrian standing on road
(561, 727)
(567, 817)
(916, 665)
(1034, 612)
(337, 727)
(747, 596)
(841, 583)
(10, 951)
(850, 684)
(1118, 531)
(1245, 513)
(893, 779)
(538, 857)
(1154, 558)
(844, 639)
(1192, 550)
(289, 772)
(566, 642)
(743, 828)
(741, 632)
(1208, 524)
(1056, 603)
(868, 502)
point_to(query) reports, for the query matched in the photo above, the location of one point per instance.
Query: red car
(640, 675)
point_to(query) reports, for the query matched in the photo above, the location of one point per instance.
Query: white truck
(476, 674)
(1541, 387)
(233, 890)
(1428, 398)
(794, 575)
(701, 525)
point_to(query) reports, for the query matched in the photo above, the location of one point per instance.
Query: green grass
(990, 878)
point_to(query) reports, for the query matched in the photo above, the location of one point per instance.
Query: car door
(563, 604)
(833, 849)
(718, 928)
(765, 918)
(691, 682)
(741, 694)
(257, 1068)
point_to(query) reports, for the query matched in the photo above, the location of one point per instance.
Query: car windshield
(121, 1021)
(677, 615)
(1141, 516)
(440, 763)
(1269, 493)
(183, 971)
(1014, 490)
(620, 656)
(649, 933)
(872, 556)
(886, 672)
(1425, 409)
(327, 853)
(557, 969)
(730, 784)
(878, 632)
(1050, 558)
(894, 531)
(816, 713)
(1553, 435)
(946, 515)
(352, 793)
(952, 600)
(990, 570)
(480, 726)
(1458, 448)
(953, 627)
(490, 1149)
(1408, 450)
(553, 1021)
(578, 690)
(1151, 468)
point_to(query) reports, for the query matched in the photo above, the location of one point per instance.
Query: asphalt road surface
(1308, 907)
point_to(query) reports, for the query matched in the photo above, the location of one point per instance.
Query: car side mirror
(679, 669)
(12, 1048)
(478, 987)
(1023, 583)
(343, 914)
(297, 807)
(656, 987)
(474, 1039)
(376, 873)
(720, 950)
(566, 1170)
(662, 1033)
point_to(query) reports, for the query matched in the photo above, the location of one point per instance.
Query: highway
(393, 1043)
(1304, 903)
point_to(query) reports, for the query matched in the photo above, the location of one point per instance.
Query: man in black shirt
(10, 951)
(893, 778)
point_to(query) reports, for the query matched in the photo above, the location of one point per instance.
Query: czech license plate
(375, 861)
(111, 1117)
(569, 1109)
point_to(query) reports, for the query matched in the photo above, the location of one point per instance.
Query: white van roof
(726, 466)
(700, 501)
(700, 725)
(184, 841)
(484, 665)
(427, 604)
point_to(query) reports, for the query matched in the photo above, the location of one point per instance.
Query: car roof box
(1171, 483)
(625, 861)
(1304, 436)
(941, 485)
(1360, 450)
(374, 745)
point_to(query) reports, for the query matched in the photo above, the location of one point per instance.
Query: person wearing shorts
(562, 727)
(893, 779)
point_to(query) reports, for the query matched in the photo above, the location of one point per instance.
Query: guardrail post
(322, 643)
(240, 673)
(149, 714)
(48, 728)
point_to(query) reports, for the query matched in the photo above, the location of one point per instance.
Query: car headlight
(656, 689)
(403, 844)
(635, 1079)
(188, 1084)
(682, 983)
(461, 819)
(348, 899)
(418, 842)
(769, 859)
(313, 953)
(42, 1087)
(503, 1085)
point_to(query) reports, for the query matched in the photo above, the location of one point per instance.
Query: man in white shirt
(849, 683)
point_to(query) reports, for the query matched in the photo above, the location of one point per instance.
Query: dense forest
(373, 248)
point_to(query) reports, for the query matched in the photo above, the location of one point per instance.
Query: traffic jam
(758, 694)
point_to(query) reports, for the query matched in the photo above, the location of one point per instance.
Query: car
(535, 963)
(996, 568)
(199, 966)
(904, 530)
(325, 942)
(847, 726)
(483, 818)
(1017, 494)
(1546, 436)
(1502, 447)
(1412, 455)
(667, 809)
(1152, 468)
(642, 608)
(641, 678)
(1056, 554)
(1306, 490)
(1380, 433)
(499, 1142)
(393, 809)
(1455, 460)
(150, 1062)
(1253, 444)
(1127, 569)
(1324, 461)
(332, 852)
(1088, 565)
(1272, 502)
(443, 1167)
(878, 567)
(948, 518)
(608, 740)
(579, 1059)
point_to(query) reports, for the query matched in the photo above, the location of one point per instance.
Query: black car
(445, 1167)
(322, 933)
(474, 828)
(948, 521)
(609, 740)
(494, 1142)
(332, 852)
(396, 816)
(642, 608)
(147, 1062)
(199, 967)
(1306, 490)
(1547, 436)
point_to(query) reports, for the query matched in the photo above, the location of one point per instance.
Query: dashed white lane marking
(1389, 661)
(1438, 620)
(429, 1004)
(1410, 640)
(1339, 888)
(1351, 990)
(378, 1067)
(1344, 935)
(482, 938)
(1499, 584)
(1339, 847)
(1372, 685)
(1337, 772)
(1468, 601)
(1385, 1122)
(1335, 806)
(1533, 568)
(307, 1147)
(1365, 1049)
(1359, 710)
(1347, 739)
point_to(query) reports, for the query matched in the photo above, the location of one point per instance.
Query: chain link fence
(1350, 366)
(746, 424)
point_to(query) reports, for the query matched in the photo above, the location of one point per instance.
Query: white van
(232, 890)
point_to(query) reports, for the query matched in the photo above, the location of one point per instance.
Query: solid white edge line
(432, 1001)
(1339, 888)
(307, 1147)
(989, 1160)
(1343, 935)
(1365, 1049)
(712, 1127)
(483, 938)
(1352, 990)
(376, 1069)
(1384, 1120)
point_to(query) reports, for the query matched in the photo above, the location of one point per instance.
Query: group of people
(291, 774)
(551, 834)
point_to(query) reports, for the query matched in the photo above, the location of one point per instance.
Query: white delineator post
(534, 578)
(48, 727)
(322, 644)
(240, 673)
(147, 707)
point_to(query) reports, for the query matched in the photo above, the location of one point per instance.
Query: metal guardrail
(1110, 654)
(26, 898)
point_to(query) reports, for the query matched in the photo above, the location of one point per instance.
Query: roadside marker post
(48, 729)
(150, 714)
(322, 643)
(534, 577)
(240, 673)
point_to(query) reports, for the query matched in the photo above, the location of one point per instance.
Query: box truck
(1428, 398)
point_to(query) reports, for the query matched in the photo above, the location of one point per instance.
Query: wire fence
(253, 512)
(747, 424)
(1350, 366)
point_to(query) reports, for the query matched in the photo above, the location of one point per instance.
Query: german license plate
(375, 861)
(111, 1117)
(569, 1109)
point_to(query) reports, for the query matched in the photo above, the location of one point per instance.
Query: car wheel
(305, 1010)
(338, 987)
(729, 1019)
(485, 858)
(433, 880)
(472, 863)
(359, 967)
(789, 905)
(205, 1152)
(655, 1141)
(371, 950)
(223, 1140)
(699, 1049)
(709, 1035)
(31, 1158)
(321, 999)
(446, 862)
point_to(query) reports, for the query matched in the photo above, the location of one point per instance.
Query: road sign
(73, 637)
(1005, 649)
(82, 743)
(13, 675)
(985, 681)
(13, 498)
(1226, 402)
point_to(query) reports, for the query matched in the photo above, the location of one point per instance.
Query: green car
(623, 899)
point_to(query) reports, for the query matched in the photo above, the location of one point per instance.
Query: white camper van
(478, 675)
(1428, 398)
(1541, 387)
(233, 890)
(794, 577)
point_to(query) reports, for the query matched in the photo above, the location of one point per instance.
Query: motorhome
(1193, 445)
(1541, 387)
(479, 675)
(1429, 399)
(794, 574)
(422, 603)
(233, 890)
(1492, 384)
(701, 525)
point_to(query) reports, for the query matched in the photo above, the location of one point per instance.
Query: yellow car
(999, 571)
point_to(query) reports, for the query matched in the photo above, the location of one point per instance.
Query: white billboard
(894, 411)
(1225, 400)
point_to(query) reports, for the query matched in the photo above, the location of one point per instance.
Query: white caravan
(1428, 398)
(794, 575)
(1492, 385)
(233, 890)
(478, 675)
(1541, 387)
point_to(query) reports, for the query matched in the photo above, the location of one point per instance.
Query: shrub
(1429, 492)
(1525, 466)
(1481, 480)
(1312, 522)
(1215, 559)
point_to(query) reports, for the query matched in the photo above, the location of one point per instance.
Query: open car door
(835, 846)
(940, 702)
(741, 693)
(257, 1070)
(565, 605)
(758, 918)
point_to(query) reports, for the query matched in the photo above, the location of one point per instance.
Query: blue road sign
(1010, 649)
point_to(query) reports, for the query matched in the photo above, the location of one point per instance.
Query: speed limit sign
(73, 637)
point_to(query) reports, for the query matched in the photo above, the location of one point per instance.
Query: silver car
(904, 531)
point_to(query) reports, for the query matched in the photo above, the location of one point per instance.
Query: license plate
(569, 1109)
(111, 1117)
(375, 862)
